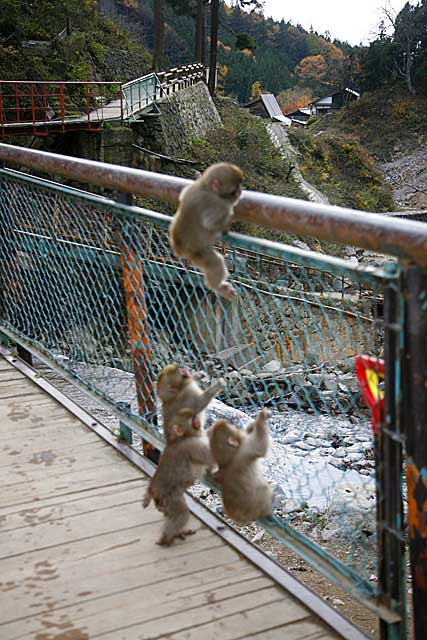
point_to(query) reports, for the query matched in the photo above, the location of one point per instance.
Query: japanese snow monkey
(182, 463)
(245, 493)
(205, 212)
(178, 389)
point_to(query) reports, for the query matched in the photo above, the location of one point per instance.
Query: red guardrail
(41, 105)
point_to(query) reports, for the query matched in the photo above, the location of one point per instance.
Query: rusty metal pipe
(335, 224)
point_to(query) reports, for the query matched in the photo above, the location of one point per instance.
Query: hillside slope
(392, 125)
(96, 49)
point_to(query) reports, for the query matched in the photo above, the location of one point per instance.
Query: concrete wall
(187, 114)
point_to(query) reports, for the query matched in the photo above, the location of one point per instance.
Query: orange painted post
(134, 288)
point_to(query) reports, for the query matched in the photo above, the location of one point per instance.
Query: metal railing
(36, 107)
(90, 286)
(41, 106)
(139, 94)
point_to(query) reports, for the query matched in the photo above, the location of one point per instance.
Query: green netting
(93, 284)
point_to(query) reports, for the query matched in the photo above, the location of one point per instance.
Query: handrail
(371, 231)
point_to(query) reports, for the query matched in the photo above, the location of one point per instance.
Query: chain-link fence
(93, 286)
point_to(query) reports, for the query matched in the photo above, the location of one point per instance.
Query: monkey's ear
(233, 442)
(179, 431)
(215, 185)
(196, 422)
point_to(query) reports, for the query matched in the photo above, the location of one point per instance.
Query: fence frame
(405, 308)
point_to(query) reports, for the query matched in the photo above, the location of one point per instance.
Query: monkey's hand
(146, 500)
(221, 384)
(227, 291)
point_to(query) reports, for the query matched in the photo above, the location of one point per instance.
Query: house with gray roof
(266, 106)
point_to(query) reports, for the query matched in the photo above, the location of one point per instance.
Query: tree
(159, 34)
(292, 99)
(214, 46)
(200, 30)
(311, 70)
(195, 9)
(255, 4)
(409, 27)
(245, 41)
(256, 90)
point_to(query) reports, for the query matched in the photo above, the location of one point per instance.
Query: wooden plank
(10, 373)
(52, 501)
(82, 582)
(121, 550)
(25, 414)
(64, 484)
(4, 364)
(306, 630)
(82, 524)
(45, 462)
(87, 504)
(162, 623)
(22, 443)
(48, 461)
(105, 612)
(17, 388)
(258, 618)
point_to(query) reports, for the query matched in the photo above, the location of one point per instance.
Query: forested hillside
(90, 47)
(254, 53)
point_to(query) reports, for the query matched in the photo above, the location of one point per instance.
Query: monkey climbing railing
(90, 287)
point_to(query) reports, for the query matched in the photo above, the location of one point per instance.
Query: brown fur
(182, 463)
(205, 212)
(177, 389)
(245, 493)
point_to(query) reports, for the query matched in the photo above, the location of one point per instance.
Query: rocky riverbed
(321, 465)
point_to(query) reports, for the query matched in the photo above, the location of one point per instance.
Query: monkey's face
(226, 180)
(225, 442)
(171, 380)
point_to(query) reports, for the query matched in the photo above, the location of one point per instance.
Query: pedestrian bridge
(89, 315)
(43, 107)
(78, 557)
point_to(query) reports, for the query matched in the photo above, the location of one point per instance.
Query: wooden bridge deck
(78, 558)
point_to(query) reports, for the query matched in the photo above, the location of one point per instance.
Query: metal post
(33, 108)
(18, 115)
(8, 254)
(415, 417)
(133, 282)
(125, 434)
(24, 354)
(61, 100)
(388, 449)
(87, 104)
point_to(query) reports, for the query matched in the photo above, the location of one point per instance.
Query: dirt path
(280, 139)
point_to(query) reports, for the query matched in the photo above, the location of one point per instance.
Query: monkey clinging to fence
(204, 213)
(245, 493)
(182, 463)
(178, 389)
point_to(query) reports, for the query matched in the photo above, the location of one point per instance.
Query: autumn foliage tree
(312, 70)
(295, 98)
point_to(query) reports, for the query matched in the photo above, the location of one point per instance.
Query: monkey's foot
(166, 541)
(226, 290)
(186, 532)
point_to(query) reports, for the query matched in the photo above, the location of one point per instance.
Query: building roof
(272, 107)
(334, 92)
